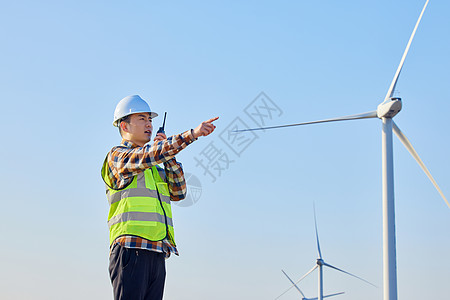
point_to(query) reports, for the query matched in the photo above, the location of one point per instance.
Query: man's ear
(123, 126)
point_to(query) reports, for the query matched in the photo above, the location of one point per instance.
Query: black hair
(125, 119)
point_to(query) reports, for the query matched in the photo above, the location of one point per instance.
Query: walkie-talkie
(161, 129)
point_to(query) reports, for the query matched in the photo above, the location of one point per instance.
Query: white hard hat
(131, 105)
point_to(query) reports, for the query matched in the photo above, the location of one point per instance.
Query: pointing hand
(205, 128)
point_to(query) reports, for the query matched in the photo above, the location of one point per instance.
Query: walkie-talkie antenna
(161, 129)
(164, 122)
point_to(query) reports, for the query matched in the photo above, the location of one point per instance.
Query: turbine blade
(331, 295)
(283, 293)
(298, 289)
(368, 115)
(333, 267)
(313, 268)
(399, 69)
(296, 282)
(414, 154)
(317, 235)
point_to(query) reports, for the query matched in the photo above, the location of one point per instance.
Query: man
(139, 193)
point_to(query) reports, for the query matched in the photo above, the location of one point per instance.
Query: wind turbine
(303, 295)
(387, 110)
(320, 262)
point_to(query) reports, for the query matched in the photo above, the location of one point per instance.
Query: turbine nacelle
(389, 108)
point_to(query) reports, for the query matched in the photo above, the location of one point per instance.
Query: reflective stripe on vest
(137, 192)
(138, 216)
(142, 208)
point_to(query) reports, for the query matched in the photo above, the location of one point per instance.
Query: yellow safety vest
(142, 208)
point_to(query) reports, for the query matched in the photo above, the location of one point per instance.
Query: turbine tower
(386, 111)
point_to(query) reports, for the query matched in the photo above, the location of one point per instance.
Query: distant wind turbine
(319, 265)
(388, 109)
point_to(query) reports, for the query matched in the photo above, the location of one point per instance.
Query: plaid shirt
(128, 160)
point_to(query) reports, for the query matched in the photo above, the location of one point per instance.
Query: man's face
(140, 128)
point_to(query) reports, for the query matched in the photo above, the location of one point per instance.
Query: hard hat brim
(152, 115)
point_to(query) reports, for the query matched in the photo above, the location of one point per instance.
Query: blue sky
(65, 65)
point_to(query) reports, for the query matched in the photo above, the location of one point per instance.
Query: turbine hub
(320, 262)
(390, 108)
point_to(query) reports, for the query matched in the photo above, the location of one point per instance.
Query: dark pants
(137, 274)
